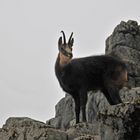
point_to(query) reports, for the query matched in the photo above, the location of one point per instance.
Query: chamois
(80, 75)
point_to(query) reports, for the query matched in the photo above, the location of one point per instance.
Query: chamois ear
(60, 41)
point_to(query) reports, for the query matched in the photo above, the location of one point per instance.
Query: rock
(120, 122)
(64, 113)
(28, 129)
(124, 43)
(105, 121)
(88, 137)
(22, 122)
(84, 130)
(124, 121)
(96, 103)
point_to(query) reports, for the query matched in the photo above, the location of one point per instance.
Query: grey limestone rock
(29, 129)
(118, 122)
(124, 43)
(64, 113)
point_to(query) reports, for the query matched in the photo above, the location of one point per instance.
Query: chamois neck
(63, 60)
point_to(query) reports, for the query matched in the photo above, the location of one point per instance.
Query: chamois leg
(112, 94)
(77, 106)
(83, 102)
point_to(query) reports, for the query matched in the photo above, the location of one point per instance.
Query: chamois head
(65, 48)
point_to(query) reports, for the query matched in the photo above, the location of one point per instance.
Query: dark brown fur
(81, 75)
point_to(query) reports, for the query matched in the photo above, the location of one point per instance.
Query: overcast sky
(29, 31)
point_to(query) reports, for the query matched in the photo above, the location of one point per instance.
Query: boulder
(29, 129)
(124, 43)
(118, 122)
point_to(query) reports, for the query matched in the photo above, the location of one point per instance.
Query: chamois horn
(64, 37)
(70, 38)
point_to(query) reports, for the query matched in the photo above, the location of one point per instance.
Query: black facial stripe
(66, 53)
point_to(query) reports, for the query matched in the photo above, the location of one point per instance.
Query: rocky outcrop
(124, 43)
(105, 122)
(117, 122)
(120, 122)
(28, 129)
